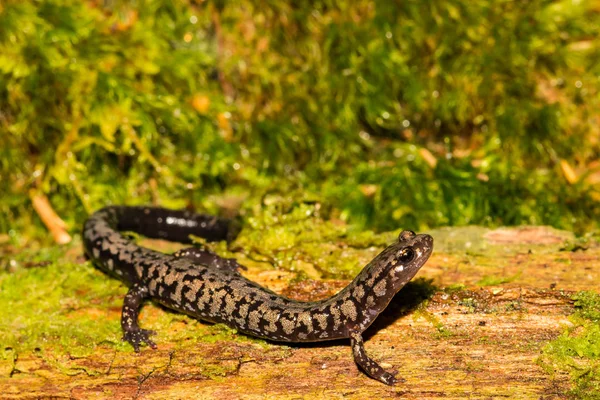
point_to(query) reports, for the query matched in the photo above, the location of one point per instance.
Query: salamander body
(208, 287)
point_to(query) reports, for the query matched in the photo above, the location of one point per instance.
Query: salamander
(198, 282)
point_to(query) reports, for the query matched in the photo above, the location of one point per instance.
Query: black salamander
(202, 284)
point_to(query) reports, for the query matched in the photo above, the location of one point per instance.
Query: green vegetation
(497, 280)
(294, 237)
(577, 350)
(318, 124)
(46, 300)
(390, 115)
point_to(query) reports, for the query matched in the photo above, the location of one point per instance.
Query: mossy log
(472, 325)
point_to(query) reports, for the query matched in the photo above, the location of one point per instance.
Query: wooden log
(471, 340)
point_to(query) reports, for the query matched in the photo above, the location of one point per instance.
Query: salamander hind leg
(372, 368)
(208, 258)
(132, 332)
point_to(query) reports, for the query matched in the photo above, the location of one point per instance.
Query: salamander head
(414, 252)
(400, 261)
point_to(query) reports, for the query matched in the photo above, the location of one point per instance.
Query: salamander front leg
(208, 258)
(372, 369)
(132, 332)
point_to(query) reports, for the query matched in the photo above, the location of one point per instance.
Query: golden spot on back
(161, 271)
(192, 272)
(287, 325)
(176, 296)
(335, 313)
(172, 277)
(253, 319)
(271, 317)
(243, 310)
(349, 310)
(230, 304)
(322, 320)
(358, 292)
(138, 270)
(305, 318)
(194, 287)
(203, 300)
(380, 288)
(370, 301)
(215, 304)
(113, 248)
(372, 278)
(131, 247)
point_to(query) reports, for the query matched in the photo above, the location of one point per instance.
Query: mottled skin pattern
(208, 287)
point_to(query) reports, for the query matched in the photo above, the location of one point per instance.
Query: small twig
(53, 222)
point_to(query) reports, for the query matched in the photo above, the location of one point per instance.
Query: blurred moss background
(389, 114)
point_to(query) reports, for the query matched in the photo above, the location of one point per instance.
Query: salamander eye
(406, 255)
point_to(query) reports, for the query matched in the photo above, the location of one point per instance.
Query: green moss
(470, 303)
(46, 303)
(588, 306)
(446, 119)
(497, 280)
(577, 350)
(289, 233)
(441, 330)
(455, 288)
(215, 371)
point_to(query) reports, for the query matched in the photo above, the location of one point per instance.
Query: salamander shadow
(405, 301)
